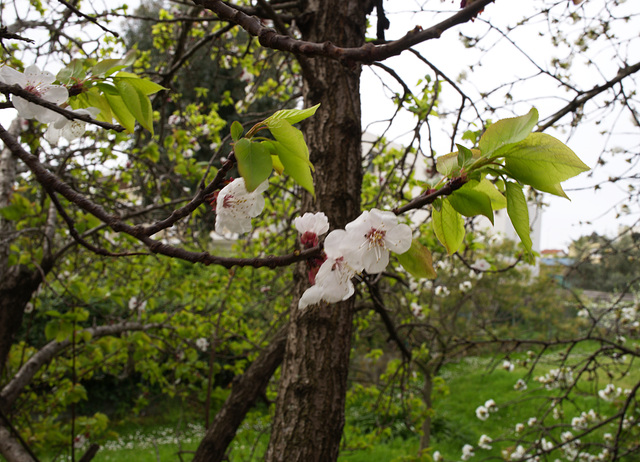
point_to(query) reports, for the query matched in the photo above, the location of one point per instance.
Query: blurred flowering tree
(150, 140)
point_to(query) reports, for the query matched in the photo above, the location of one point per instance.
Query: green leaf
(518, 212)
(137, 102)
(543, 162)
(505, 132)
(448, 226)
(471, 202)
(18, 208)
(95, 99)
(447, 165)
(236, 130)
(291, 138)
(498, 201)
(277, 164)
(292, 115)
(101, 68)
(254, 163)
(296, 167)
(146, 86)
(121, 112)
(464, 155)
(51, 330)
(417, 261)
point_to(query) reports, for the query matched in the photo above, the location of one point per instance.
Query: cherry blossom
(236, 206)
(467, 452)
(372, 235)
(135, 304)
(69, 129)
(481, 265)
(482, 413)
(310, 226)
(333, 280)
(39, 83)
(485, 442)
(202, 344)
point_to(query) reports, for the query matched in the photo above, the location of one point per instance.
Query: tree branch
(49, 180)
(367, 53)
(22, 93)
(23, 377)
(582, 98)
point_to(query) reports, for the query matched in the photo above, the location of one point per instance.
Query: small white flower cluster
(572, 449)
(485, 442)
(520, 385)
(202, 344)
(39, 83)
(442, 291)
(483, 412)
(610, 392)
(518, 453)
(465, 286)
(416, 310)
(363, 245)
(467, 452)
(582, 422)
(135, 304)
(623, 318)
(556, 378)
(508, 365)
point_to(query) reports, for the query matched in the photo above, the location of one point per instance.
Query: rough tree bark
(17, 283)
(309, 416)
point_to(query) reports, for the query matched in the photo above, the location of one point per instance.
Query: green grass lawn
(470, 382)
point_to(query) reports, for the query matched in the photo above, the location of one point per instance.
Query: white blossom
(465, 286)
(69, 129)
(520, 385)
(441, 291)
(135, 304)
(507, 365)
(202, 344)
(437, 457)
(372, 235)
(609, 393)
(518, 454)
(236, 206)
(416, 310)
(39, 83)
(532, 421)
(485, 442)
(310, 226)
(467, 452)
(490, 404)
(519, 428)
(482, 413)
(481, 265)
(333, 280)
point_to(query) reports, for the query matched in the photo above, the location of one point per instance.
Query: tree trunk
(16, 282)
(309, 415)
(427, 389)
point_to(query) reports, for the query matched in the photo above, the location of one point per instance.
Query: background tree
(154, 194)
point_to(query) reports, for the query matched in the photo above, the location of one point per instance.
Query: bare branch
(367, 53)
